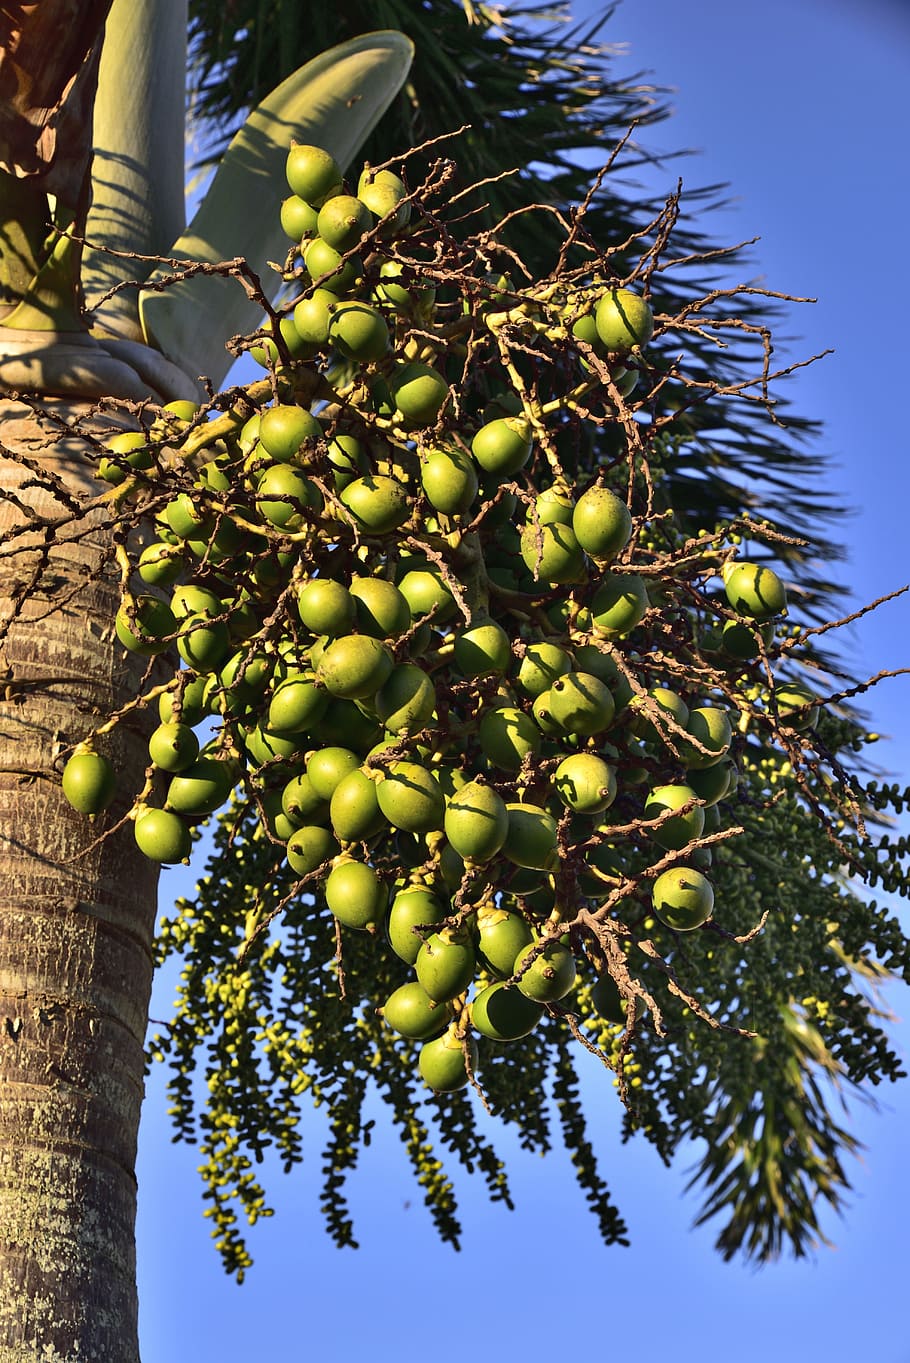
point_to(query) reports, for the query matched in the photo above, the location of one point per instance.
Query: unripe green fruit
(665, 701)
(754, 590)
(619, 604)
(381, 610)
(442, 1063)
(160, 564)
(283, 429)
(596, 659)
(266, 353)
(88, 781)
(297, 705)
(328, 269)
(552, 507)
(550, 975)
(203, 643)
(383, 191)
(426, 592)
(192, 600)
(360, 332)
(313, 317)
(411, 798)
(411, 1012)
(531, 839)
(309, 848)
(602, 523)
(398, 286)
(244, 678)
(743, 641)
(543, 717)
(264, 746)
(581, 704)
(297, 217)
(326, 606)
(354, 810)
(502, 1013)
(482, 649)
(683, 898)
(132, 451)
(145, 633)
(312, 174)
(791, 698)
(187, 518)
(541, 665)
(623, 320)
(342, 221)
(503, 446)
(507, 736)
(411, 908)
(445, 964)
(162, 836)
(192, 702)
(501, 935)
(354, 666)
(449, 479)
(346, 725)
(552, 553)
(610, 1003)
(201, 788)
(356, 895)
(675, 832)
(282, 494)
(379, 504)
(327, 767)
(711, 728)
(712, 784)
(585, 783)
(406, 701)
(173, 747)
(476, 822)
(300, 803)
(419, 392)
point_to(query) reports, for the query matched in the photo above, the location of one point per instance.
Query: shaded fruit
(710, 727)
(610, 1003)
(162, 836)
(380, 607)
(442, 1062)
(663, 701)
(531, 839)
(354, 809)
(445, 963)
(683, 898)
(502, 1012)
(419, 392)
(406, 700)
(88, 781)
(675, 832)
(203, 642)
(482, 649)
(379, 504)
(712, 784)
(507, 736)
(356, 895)
(549, 976)
(300, 803)
(143, 623)
(551, 552)
(282, 495)
(201, 788)
(539, 668)
(411, 1012)
(792, 698)
(619, 604)
(501, 935)
(476, 822)
(328, 269)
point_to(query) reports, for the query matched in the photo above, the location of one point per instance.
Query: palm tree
(77, 910)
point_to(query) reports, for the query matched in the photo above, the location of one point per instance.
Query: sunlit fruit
(173, 746)
(501, 935)
(449, 479)
(282, 495)
(623, 320)
(503, 446)
(342, 221)
(297, 217)
(411, 1012)
(419, 392)
(143, 623)
(445, 963)
(411, 798)
(797, 706)
(162, 836)
(411, 908)
(328, 268)
(201, 788)
(378, 503)
(581, 704)
(602, 523)
(312, 174)
(585, 783)
(384, 194)
(679, 829)
(476, 822)
(545, 974)
(442, 1062)
(683, 898)
(531, 838)
(309, 848)
(542, 663)
(381, 609)
(354, 666)
(406, 700)
(551, 552)
(712, 732)
(482, 649)
(754, 590)
(327, 767)
(89, 782)
(283, 429)
(356, 895)
(619, 604)
(359, 331)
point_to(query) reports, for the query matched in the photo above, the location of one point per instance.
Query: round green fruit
(551, 552)
(309, 848)
(297, 705)
(89, 782)
(610, 1003)
(623, 320)
(442, 1062)
(445, 964)
(531, 839)
(379, 504)
(300, 803)
(683, 898)
(327, 767)
(619, 604)
(501, 935)
(426, 592)
(360, 332)
(343, 221)
(313, 317)
(173, 746)
(143, 623)
(384, 193)
(539, 668)
(549, 976)
(312, 174)
(585, 783)
(326, 606)
(507, 736)
(419, 392)
(602, 523)
(411, 1012)
(581, 704)
(162, 836)
(203, 643)
(482, 649)
(356, 895)
(502, 1013)
(411, 798)
(476, 822)
(282, 495)
(297, 217)
(354, 666)
(754, 591)
(406, 701)
(449, 479)
(503, 446)
(411, 908)
(328, 269)
(792, 699)
(678, 830)
(201, 788)
(710, 727)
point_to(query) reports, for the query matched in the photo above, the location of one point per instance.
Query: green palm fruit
(547, 977)
(551, 552)
(313, 174)
(482, 649)
(282, 495)
(754, 590)
(503, 446)
(585, 783)
(384, 193)
(354, 666)
(284, 428)
(502, 1013)
(602, 523)
(143, 623)
(327, 767)
(297, 217)
(581, 704)
(406, 701)
(411, 1012)
(326, 606)
(674, 833)
(623, 320)
(381, 610)
(411, 908)
(792, 698)
(449, 479)
(360, 332)
(313, 317)
(531, 839)
(683, 898)
(300, 803)
(173, 746)
(507, 736)
(356, 895)
(411, 798)
(442, 1062)
(539, 668)
(203, 642)
(419, 392)
(378, 504)
(426, 592)
(445, 964)
(501, 935)
(328, 269)
(710, 727)
(476, 822)
(201, 788)
(354, 809)
(161, 835)
(343, 221)
(297, 705)
(309, 848)
(89, 782)
(619, 604)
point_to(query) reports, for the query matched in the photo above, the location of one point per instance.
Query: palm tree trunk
(77, 913)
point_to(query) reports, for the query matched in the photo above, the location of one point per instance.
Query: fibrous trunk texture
(76, 913)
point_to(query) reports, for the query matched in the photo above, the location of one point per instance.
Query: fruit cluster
(483, 695)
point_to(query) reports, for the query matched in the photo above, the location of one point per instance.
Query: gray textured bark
(76, 918)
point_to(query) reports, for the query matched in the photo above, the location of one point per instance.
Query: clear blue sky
(802, 106)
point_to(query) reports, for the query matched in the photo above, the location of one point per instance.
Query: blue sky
(802, 107)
